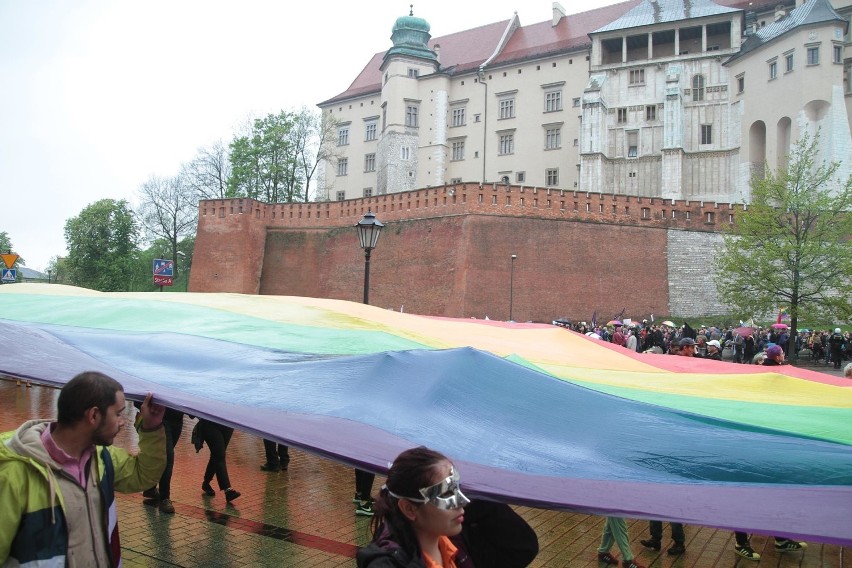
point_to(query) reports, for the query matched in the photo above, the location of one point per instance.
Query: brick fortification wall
(447, 251)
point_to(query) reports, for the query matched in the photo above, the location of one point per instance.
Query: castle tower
(403, 111)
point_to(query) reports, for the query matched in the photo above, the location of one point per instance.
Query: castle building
(671, 99)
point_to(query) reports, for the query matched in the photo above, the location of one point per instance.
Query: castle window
(686, 215)
(741, 83)
(553, 138)
(698, 88)
(370, 130)
(405, 153)
(552, 101)
(343, 136)
(456, 180)
(773, 69)
(520, 177)
(458, 116)
(411, 116)
(551, 176)
(632, 144)
(507, 144)
(710, 218)
(651, 112)
(788, 62)
(368, 192)
(413, 73)
(622, 115)
(341, 196)
(477, 117)
(458, 150)
(813, 55)
(507, 108)
(369, 162)
(576, 102)
(646, 213)
(343, 166)
(838, 53)
(706, 133)
(576, 141)
(637, 76)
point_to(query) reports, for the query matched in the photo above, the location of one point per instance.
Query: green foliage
(791, 247)
(6, 247)
(265, 162)
(102, 246)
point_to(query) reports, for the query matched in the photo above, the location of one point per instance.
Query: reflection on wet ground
(305, 517)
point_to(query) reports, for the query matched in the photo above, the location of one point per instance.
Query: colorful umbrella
(614, 322)
(780, 326)
(669, 323)
(744, 331)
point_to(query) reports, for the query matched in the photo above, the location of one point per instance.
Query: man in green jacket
(58, 478)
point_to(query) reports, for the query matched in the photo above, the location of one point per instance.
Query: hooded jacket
(38, 498)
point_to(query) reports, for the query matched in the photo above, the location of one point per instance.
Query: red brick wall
(446, 251)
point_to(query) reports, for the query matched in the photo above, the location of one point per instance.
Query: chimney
(558, 13)
(779, 12)
(437, 50)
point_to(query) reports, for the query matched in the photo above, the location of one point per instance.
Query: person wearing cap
(847, 371)
(714, 350)
(835, 343)
(687, 347)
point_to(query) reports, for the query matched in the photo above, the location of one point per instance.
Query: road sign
(164, 267)
(9, 275)
(9, 259)
(162, 280)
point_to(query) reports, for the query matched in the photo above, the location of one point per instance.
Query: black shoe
(152, 493)
(273, 467)
(231, 494)
(651, 543)
(677, 549)
(207, 489)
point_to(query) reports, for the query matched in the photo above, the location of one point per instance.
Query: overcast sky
(98, 95)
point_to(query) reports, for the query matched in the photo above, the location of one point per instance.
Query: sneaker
(364, 509)
(152, 493)
(271, 467)
(787, 545)
(631, 564)
(746, 552)
(167, 507)
(207, 489)
(607, 558)
(651, 543)
(677, 549)
(231, 494)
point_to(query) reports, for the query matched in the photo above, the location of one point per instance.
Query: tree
(315, 140)
(102, 246)
(791, 246)
(263, 162)
(169, 211)
(207, 174)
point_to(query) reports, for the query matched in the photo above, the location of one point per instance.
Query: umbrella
(669, 323)
(779, 326)
(614, 322)
(744, 331)
(592, 335)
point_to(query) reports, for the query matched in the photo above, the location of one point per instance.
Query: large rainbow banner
(531, 414)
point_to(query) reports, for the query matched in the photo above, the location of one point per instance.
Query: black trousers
(217, 438)
(276, 454)
(173, 425)
(364, 483)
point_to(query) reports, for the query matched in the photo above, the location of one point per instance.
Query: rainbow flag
(532, 414)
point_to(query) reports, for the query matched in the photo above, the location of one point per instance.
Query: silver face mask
(444, 495)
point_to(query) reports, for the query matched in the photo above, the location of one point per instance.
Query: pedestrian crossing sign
(9, 275)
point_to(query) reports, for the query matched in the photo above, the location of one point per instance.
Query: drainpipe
(484, 121)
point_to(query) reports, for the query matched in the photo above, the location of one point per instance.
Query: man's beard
(100, 437)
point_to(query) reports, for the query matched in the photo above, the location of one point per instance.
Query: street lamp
(511, 285)
(49, 272)
(369, 229)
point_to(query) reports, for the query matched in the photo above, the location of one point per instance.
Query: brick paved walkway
(304, 516)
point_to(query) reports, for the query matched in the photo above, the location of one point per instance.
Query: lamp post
(511, 285)
(49, 272)
(369, 229)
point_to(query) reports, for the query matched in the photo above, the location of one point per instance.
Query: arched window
(698, 88)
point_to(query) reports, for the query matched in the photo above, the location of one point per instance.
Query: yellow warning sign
(9, 259)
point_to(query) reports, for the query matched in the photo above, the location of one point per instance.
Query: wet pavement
(305, 517)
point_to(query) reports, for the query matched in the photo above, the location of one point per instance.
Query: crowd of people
(743, 344)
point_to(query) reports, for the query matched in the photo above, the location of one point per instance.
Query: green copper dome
(410, 36)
